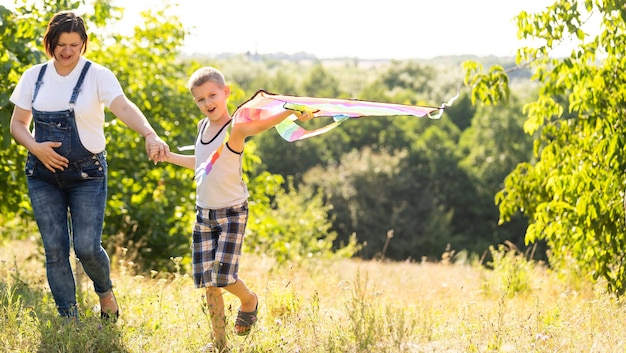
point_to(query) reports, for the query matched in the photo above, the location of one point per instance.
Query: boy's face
(211, 99)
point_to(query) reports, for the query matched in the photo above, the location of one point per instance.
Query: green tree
(153, 78)
(434, 160)
(419, 193)
(461, 112)
(495, 143)
(573, 193)
(292, 225)
(21, 34)
(136, 192)
(492, 147)
(320, 83)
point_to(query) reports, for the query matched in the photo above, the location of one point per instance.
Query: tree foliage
(492, 147)
(20, 46)
(573, 193)
(136, 191)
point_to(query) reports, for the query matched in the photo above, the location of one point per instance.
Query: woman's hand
(44, 151)
(156, 148)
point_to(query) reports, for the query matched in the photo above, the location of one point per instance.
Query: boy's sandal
(246, 319)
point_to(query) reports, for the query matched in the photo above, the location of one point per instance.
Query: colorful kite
(263, 105)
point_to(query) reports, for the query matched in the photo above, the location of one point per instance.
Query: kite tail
(290, 131)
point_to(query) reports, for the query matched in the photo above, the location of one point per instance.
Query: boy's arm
(182, 160)
(240, 131)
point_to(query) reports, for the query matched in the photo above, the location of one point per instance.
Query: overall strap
(79, 83)
(39, 82)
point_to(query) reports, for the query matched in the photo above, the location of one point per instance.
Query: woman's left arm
(130, 115)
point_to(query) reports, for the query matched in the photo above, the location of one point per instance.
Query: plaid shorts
(217, 240)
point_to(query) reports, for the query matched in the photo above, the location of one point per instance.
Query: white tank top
(223, 187)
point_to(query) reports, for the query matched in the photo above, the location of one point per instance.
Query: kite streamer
(264, 105)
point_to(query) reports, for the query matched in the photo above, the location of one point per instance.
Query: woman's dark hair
(64, 22)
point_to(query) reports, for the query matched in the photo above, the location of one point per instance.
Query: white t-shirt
(98, 90)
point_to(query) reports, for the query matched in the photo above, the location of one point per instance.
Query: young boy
(221, 200)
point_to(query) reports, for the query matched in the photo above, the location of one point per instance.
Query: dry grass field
(342, 306)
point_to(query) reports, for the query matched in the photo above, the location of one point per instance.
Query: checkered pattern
(217, 240)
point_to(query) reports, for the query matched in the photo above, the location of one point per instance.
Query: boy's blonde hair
(204, 74)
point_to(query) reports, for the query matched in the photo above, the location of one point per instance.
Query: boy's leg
(215, 304)
(249, 300)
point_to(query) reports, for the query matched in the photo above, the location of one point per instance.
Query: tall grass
(343, 306)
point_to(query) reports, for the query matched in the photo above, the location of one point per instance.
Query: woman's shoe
(107, 314)
(110, 317)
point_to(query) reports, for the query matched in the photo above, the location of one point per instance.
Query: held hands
(44, 151)
(156, 148)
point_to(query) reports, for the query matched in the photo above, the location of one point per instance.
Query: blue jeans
(69, 205)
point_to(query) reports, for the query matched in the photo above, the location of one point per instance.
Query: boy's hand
(304, 116)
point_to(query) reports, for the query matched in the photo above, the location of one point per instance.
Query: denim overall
(69, 203)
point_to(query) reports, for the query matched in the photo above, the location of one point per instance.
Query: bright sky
(366, 29)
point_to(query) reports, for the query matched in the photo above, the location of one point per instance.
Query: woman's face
(68, 49)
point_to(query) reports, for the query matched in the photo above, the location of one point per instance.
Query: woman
(66, 167)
